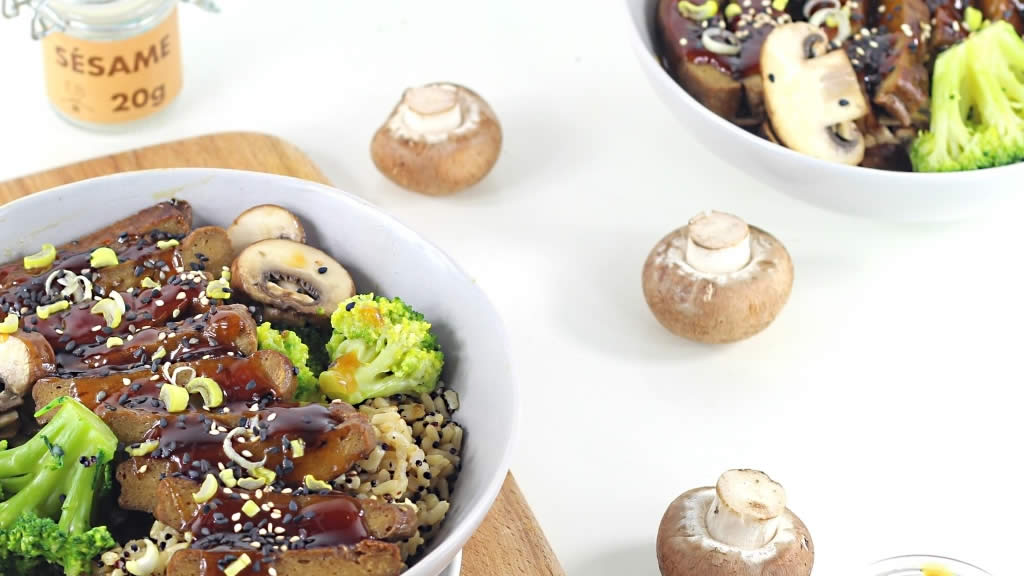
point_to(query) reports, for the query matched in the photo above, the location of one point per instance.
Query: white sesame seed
(238, 527)
(272, 571)
(881, 8)
(227, 490)
(243, 495)
(96, 328)
(161, 337)
(59, 331)
(286, 491)
(259, 494)
(126, 381)
(214, 431)
(272, 417)
(255, 544)
(143, 468)
(154, 377)
(180, 296)
(246, 453)
(236, 516)
(293, 538)
(175, 313)
(682, 41)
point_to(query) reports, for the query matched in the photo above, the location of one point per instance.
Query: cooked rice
(417, 460)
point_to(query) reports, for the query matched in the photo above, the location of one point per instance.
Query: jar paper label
(114, 82)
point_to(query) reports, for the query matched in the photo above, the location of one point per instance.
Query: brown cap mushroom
(440, 139)
(717, 279)
(812, 97)
(298, 283)
(264, 222)
(741, 527)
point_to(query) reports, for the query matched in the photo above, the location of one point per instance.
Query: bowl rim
(651, 61)
(459, 533)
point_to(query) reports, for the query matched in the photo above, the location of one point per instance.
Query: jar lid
(95, 17)
(923, 565)
(73, 14)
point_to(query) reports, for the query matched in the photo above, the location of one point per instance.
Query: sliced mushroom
(740, 527)
(812, 97)
(24, 358)
(264, 222)
(440, 139)
(717, 279)
(299, 282)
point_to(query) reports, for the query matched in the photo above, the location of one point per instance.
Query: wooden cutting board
(510, 542)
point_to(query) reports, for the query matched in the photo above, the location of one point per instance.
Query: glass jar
(109, 63)
(924, 566)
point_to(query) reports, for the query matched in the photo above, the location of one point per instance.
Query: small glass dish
(916, 565)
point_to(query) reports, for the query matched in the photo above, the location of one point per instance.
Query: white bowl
(850, 189)
(383, 256)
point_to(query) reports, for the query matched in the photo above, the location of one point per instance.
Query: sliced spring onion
(812, 6)
(103, 258)
(207, 491)
(227, 476)
(10, 325)
(720, 41)
(219, 289)
(250, 508)
(313, 484)
(732, 10)
(160, 353)
(164, 244)
(265, 474)
(236, 567)
(46, 255)
(114, 341)
(76, 286)
(298, 448)
(841, 19)
(208, 388)
(237, 458)
(175, 398)
(780, 5)
(699, 12)
(142, 448)
(110, 310)
(251, 483)
(148, 282)
(44, 312)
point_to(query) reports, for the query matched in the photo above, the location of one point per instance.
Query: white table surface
(886, 397)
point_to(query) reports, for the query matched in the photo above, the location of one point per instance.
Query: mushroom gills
(286, 286)
(746, 508)
(292, 277)
(813, 97)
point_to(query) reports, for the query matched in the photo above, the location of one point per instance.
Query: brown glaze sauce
(751, 26)
(337, 520)
(188, 439)
(23, 287)
(215, 334)
(142, 392)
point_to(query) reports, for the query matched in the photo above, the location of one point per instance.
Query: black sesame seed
(322, 269)
(771, 77)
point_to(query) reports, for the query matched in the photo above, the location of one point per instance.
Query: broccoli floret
(51, 483)
(380, 347)
(291, 345)
(977, 118)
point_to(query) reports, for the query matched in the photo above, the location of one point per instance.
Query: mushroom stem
(746, 508)
(717, 243)
(432, 109)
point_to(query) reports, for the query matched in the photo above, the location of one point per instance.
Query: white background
(886, 397)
